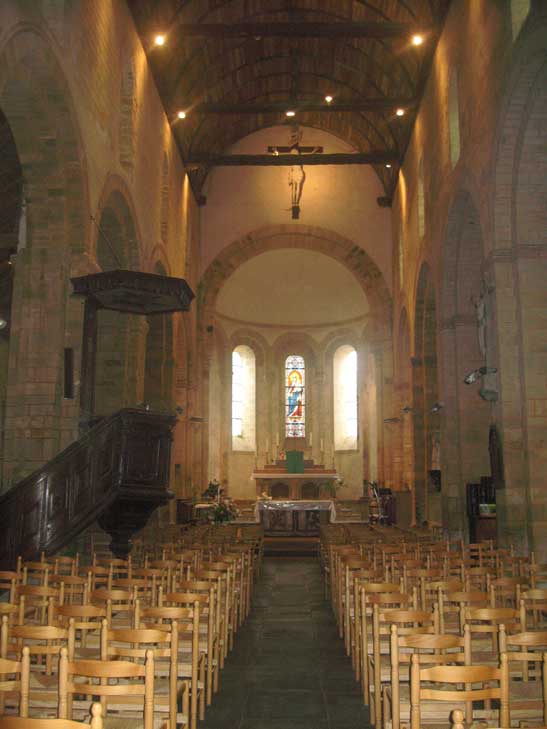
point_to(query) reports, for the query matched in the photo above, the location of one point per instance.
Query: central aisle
(288, 669)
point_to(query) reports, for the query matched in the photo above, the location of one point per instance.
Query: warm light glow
(400, 112)
(290, 113)
(417, 39)
(159, 40)
(181, 115)
(328, 99)
(388, 166)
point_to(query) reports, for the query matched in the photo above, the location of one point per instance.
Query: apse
(292, 287)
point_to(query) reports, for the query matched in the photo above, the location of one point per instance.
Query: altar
(294, 518)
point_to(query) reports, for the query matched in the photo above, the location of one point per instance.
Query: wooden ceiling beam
(289, 160)
(348, 105)
(301, 30)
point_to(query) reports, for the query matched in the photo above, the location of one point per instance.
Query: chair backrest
(443, 684)
(135, 681)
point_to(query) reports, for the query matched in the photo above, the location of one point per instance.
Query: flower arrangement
(224, 511)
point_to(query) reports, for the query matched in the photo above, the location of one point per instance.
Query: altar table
(294, 518)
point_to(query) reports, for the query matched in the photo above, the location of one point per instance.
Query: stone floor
(288, 668)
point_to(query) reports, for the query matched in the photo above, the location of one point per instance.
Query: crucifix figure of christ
(297, 176)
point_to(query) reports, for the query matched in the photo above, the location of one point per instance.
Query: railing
(117, 473)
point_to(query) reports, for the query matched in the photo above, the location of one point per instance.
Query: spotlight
(181, 115)
(388, 166)
(3, 323)
(400, 112)
(417, 39)
(159, 40)
(328, 99)
(290, 113)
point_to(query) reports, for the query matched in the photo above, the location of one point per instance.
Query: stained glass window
(295, 397)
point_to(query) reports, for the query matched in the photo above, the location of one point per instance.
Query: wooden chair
(87, 625)
(119, 604)
(526, 657)
(443, 682)
(533, 608)
(20, 722)
(452, 605)
(130, 697)
(132, 645)
(9, 580)
(44, 643)
(434, 650)
(408, 621)
(73, 587)
(36, 603)
(385, 594)
(484, 625)
(14, 692)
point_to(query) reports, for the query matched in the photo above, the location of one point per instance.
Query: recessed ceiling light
(159, 40)
(181, 115)
(400, 112)
(417, 39)
(290, 113)
(388, 166)
(3, 323)
(328, 99)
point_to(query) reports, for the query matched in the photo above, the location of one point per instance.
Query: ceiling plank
(289, 160)
(301, 30)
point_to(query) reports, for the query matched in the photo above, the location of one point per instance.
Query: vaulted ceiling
(235, 66)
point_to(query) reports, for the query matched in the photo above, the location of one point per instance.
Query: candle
(277, 439)
(321, 445)
(311, 439)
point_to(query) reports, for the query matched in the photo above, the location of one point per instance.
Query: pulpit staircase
(117, 474)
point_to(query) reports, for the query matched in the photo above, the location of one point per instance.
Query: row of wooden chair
(172, 621)
(418, 613)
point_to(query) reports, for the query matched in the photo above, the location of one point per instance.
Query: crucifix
(297, 176)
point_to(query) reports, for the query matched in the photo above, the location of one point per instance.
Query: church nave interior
(273, 401)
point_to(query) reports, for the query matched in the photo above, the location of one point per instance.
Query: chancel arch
(325, 293)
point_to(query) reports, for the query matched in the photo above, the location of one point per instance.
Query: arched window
(454, 118)
(295, 397)
(421, 199)
(243, 399)
(345, 398)
(519, 13)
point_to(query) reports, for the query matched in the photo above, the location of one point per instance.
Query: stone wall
(96, 151)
